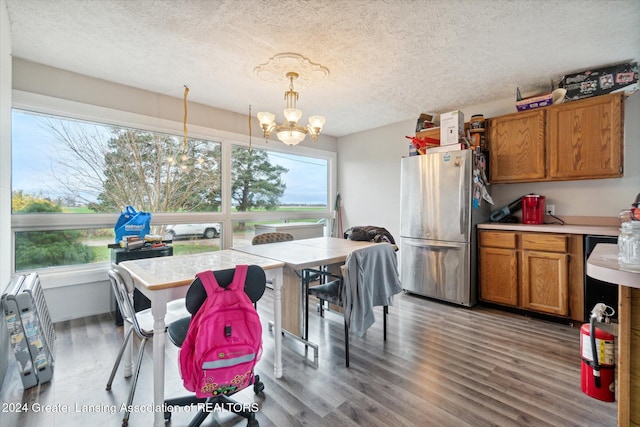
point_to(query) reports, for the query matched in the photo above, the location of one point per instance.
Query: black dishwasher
(595, 290)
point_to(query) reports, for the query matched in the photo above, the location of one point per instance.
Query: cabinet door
(585, 138)
(517, 147)
(498, 281)
(545, 282)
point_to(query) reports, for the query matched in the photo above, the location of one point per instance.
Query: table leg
(291, 301)
(277, 322)
(291, 319)
(158, 309)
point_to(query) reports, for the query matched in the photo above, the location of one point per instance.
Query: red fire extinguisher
(597, 349)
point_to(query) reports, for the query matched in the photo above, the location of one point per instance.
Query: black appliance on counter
(140, 302)
(595, 290)
(503, 214)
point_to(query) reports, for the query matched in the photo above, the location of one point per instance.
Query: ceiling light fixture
(289, 131)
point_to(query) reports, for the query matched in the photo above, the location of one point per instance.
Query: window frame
(43, 104)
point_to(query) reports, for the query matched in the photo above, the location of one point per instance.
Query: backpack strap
(212, 286)
(209, 282)
(239, 277)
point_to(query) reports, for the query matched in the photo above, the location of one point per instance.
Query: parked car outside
(207, 231)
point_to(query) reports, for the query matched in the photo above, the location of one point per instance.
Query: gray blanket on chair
(371, 280)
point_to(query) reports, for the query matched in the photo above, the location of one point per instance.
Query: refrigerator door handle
(432, 244)
(462, 195)
(461, 204)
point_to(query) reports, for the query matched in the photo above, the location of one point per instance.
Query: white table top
(167, 272)
(304, 253)
(603, 265)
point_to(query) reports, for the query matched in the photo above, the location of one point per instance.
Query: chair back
(263, 238)
(254, 286)
(122, 291)
(379, 254)
(371, 279)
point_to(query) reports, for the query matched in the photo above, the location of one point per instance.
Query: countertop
(603, 265)
(599, 230)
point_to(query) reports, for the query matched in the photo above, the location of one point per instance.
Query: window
(47, 248)
(71, 177)
(84, 167)
(270, 181)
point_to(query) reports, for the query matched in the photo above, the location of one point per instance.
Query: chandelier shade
(290, 132)
(266, 118)
(291, 136)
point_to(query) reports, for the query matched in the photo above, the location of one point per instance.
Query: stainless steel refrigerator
(438, 225)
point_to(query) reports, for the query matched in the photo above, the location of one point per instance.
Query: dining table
(298, 255)
(166, 279)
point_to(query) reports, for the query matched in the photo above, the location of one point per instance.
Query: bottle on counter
(629, 245)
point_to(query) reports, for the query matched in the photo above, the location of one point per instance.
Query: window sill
(70, 276)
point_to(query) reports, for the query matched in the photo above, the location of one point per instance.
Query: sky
(33, 165)
(306, 175)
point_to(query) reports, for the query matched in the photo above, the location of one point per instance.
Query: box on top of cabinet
(600, 81)
(451, 127)
(426, 121)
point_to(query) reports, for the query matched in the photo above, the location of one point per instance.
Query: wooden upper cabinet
(517, 147)
(585, 138)
(575, 140)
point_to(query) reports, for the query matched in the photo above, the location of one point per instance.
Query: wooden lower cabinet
(545, 284)
(499, 276)
(540, 272)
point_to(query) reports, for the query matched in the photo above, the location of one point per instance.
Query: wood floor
(441, 365)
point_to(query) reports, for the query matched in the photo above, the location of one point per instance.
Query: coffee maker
(533, 209)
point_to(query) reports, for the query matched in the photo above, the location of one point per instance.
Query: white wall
(369, 174)
(5, 172)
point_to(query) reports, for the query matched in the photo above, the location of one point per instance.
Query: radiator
(31, 332)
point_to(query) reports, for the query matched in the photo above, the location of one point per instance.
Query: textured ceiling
(388, 61)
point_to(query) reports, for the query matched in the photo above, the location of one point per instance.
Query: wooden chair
(263, 238)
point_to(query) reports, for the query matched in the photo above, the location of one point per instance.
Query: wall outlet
(551, 210)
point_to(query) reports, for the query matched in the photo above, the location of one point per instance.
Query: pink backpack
(224, 339)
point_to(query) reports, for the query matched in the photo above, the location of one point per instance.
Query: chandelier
(290, 132)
